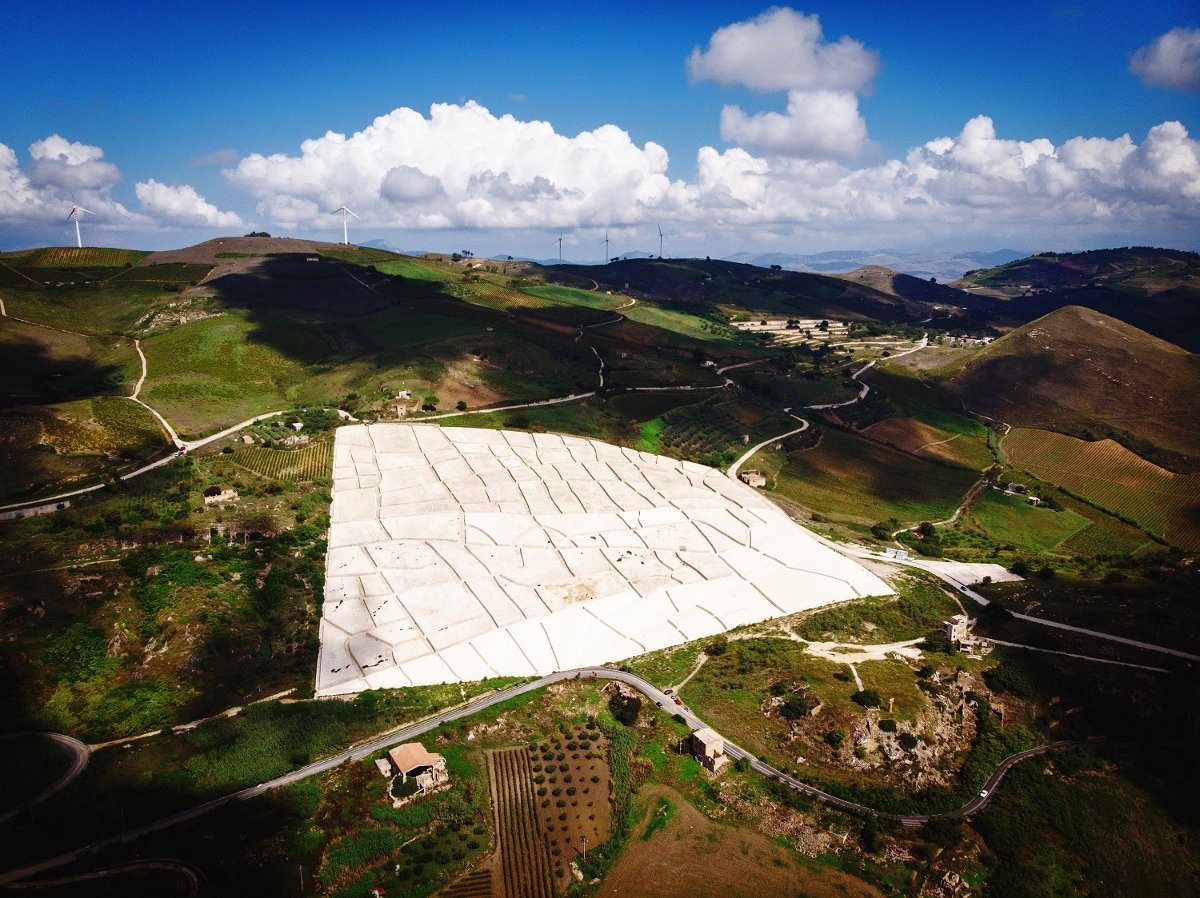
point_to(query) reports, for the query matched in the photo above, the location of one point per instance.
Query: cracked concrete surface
(457, 554)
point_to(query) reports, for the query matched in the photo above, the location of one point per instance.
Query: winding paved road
(408, 733)
(80, 754)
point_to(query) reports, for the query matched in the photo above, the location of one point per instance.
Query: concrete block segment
(457, 554)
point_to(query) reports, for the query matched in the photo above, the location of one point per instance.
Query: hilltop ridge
(1086, 374)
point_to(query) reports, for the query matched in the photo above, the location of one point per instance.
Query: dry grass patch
(694, 856)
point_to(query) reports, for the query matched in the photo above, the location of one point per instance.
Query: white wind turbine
(74, 216)
(660, 236)
(345, 233)
(606, 256)
(560, 247)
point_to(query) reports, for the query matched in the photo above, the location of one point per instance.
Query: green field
(214, 372)
(576, 297)
(411, 268)
(106, 309)
(682, 323)
(397, 327)
(1011, 520)
(1108, 474)
(851, 478)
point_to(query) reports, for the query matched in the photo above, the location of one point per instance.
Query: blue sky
(177, 123)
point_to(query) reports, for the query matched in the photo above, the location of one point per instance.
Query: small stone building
(427, 768)
(709, 748)
(957, 629)
(754, 479)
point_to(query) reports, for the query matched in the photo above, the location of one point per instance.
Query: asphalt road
(80, 754)
(407, 734)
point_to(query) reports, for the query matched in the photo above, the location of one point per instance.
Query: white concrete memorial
(457, 554)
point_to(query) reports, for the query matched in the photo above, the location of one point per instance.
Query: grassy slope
(1082, 373)
(1104, 472)
(849, 477)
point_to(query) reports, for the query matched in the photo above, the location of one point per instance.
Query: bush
(795, 707)
(868, 698)
(625, 708)
(835, 738)
(887, 725)
(908, 741)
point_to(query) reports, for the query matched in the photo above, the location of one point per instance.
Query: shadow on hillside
(292, 282)
(46, 443)
(346, 311)
(29, 375)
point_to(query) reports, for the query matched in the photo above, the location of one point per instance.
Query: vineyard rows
(475, 885)
(313, 462)
(1106, 473)
(525, 865)
(87, 256)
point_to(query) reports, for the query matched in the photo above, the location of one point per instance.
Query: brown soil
(911, 435)
(588, 812)
(206, 252)
(696, 857)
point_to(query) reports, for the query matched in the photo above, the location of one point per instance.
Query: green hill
(1156, 290)
(1082, 373)
(737, 286)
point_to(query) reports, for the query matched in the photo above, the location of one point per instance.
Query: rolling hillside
(1156, 290)
(1082, 373)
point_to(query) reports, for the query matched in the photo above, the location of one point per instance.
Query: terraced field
(87, 256)
(524, 858)
(1108, 474)
(309, 463)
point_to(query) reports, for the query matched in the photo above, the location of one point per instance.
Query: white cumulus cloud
(56, 162)
(460, 166)
(785, 50)
(1172, 60)
(60, 174)
(817, 124)
(182, 205)
(975, 183)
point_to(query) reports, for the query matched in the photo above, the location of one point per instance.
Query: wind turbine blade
(88, 211)
(352, 212)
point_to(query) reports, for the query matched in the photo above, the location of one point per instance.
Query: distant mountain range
(947, 266)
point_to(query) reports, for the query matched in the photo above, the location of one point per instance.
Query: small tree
(868, 698)
(794, 707)
(625, 708)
